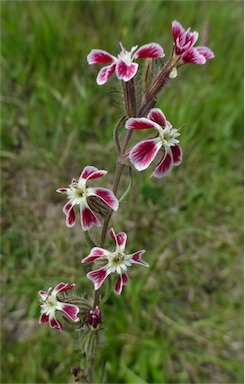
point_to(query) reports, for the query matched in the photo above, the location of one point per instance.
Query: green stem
(91, 369)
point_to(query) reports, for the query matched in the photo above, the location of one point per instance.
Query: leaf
(128, 189)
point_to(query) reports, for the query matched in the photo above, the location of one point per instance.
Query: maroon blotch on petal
(55, 324)
(91, 172)
(88, 219)
(140, 123)
(113, 235)
(43, 318)
(177, 29)
(61, 287)
(98, 277)
(136, 257)
(126, 71)
(151, 50)
(206, 52)
(61, 190)
(70, 310)
(94, 254)
(121, 239)
(143, 153)
(70, 218)
(177, 154)
(125, 278)
(41, 293)
(98, 56)
(107, 196)
(157, 116)
(119, 285)
(193, 56)
(67, 208)
(105, 73)
(164, 166)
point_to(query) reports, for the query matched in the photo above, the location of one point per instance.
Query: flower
(51, 304)
(143, 153)
(113, 262)
(79, 194)
(123, 65)
(184, 41)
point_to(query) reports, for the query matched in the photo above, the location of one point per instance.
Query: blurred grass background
(181, 320)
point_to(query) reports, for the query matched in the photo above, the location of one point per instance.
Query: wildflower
(113, 262)
(79, 194)
(143, 153)
(51, 304)
(123, 65)
(184, 41)
(94, 318)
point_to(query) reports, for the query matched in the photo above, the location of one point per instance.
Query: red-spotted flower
(143, 153)
(184, 41)
(79, 194)
(51, 304)
(123, 64)
(113, 262)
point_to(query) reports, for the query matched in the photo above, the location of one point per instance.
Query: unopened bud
(79, 374)
(94, 319)
(174, 73)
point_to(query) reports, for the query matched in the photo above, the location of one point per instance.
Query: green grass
(180, 321)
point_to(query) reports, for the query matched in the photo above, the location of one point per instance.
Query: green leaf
(128, 189)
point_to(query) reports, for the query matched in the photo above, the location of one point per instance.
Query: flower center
(118, 258)
(126, 57)
(49, 304)
(75, 194)
(168, 136)
(51, 301)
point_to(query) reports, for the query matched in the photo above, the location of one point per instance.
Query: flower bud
(79, 374)
(94, 319)
(174, 73)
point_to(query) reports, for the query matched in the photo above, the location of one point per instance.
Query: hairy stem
(91, 369)
(131, 111)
